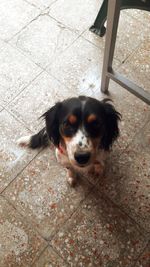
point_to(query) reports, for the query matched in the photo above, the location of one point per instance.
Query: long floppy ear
(52, 123)
(111, 130)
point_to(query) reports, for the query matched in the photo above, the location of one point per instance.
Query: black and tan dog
(82, 129)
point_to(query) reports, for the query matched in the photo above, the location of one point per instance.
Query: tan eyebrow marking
(91, 118)
(72, 119)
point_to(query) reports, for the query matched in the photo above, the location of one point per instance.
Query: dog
(82, 129)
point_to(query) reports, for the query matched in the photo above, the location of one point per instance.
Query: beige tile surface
(20, 244)
(43, 39)
(77, 16)
(99, 235)
(144, 258)
(42, 194)
(16, 71)
(129, 29)
(42, 4)
(137, 67)
(12, 158)
(127, 179)
(49, 258)
(14, 15)
(46, 55)
(79, 67)
(47, 91)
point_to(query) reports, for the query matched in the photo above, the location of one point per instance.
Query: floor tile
(41, 193)
(47, 91)
(49, 258)
(78, 17)
(43, 39)
(79, 67)
(99, 235)
(127, 182)
(14, 15)
(16, 71)
(12, 158)
(141, 15)
(125, 44)
(137, 67)
(144, 259)
(20, 244)
(41, 3)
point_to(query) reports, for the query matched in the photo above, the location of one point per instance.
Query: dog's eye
(69, 129)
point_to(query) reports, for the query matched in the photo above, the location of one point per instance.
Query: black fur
(39, 140)
(105, 127)
(52, 123)
(111, 130)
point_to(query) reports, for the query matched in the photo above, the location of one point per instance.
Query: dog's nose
(82, 157)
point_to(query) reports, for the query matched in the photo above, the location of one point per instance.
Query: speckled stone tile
(42, 4)
(141, 15)
(42, 193)
(79, 67)
(78, 16)
(47, 91)
(49, 258)
(127, 179)
(43, 39)
(144, 259)
(19, 13)
(137, 67)
(135, 113)
(12, 158)
(128, 36)
(16, 71)
(99, 235)
(19, 243)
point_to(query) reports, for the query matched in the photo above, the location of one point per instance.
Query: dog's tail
(34, 141)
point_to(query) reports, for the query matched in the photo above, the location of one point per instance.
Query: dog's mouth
(82, 159)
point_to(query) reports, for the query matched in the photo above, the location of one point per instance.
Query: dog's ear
(111, 129)
(52, 123)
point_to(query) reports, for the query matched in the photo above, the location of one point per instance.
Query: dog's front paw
(72, 177)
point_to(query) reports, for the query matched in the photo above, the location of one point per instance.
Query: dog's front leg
(71, 176)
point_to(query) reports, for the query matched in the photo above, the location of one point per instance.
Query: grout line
(136, 260)
(37, 258)
(23, 217)
(38, 152)
(30, 82)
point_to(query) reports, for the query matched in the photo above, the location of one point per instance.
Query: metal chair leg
(98, 26)
(111, 33)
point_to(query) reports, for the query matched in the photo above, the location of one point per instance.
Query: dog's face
(82, 126)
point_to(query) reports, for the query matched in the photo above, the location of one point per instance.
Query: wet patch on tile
(127, 181)
(36, 99)
(12, 158)
(43, 39)
(16, 72)
(99, 235)
(42, 194)
(19, 244)
(49, 258)
(19, 13)
(79, 17)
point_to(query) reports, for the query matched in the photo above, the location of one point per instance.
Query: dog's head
(82, 126)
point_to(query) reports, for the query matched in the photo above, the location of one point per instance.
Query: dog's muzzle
(82, 158)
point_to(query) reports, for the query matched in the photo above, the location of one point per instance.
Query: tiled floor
(46, 55)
